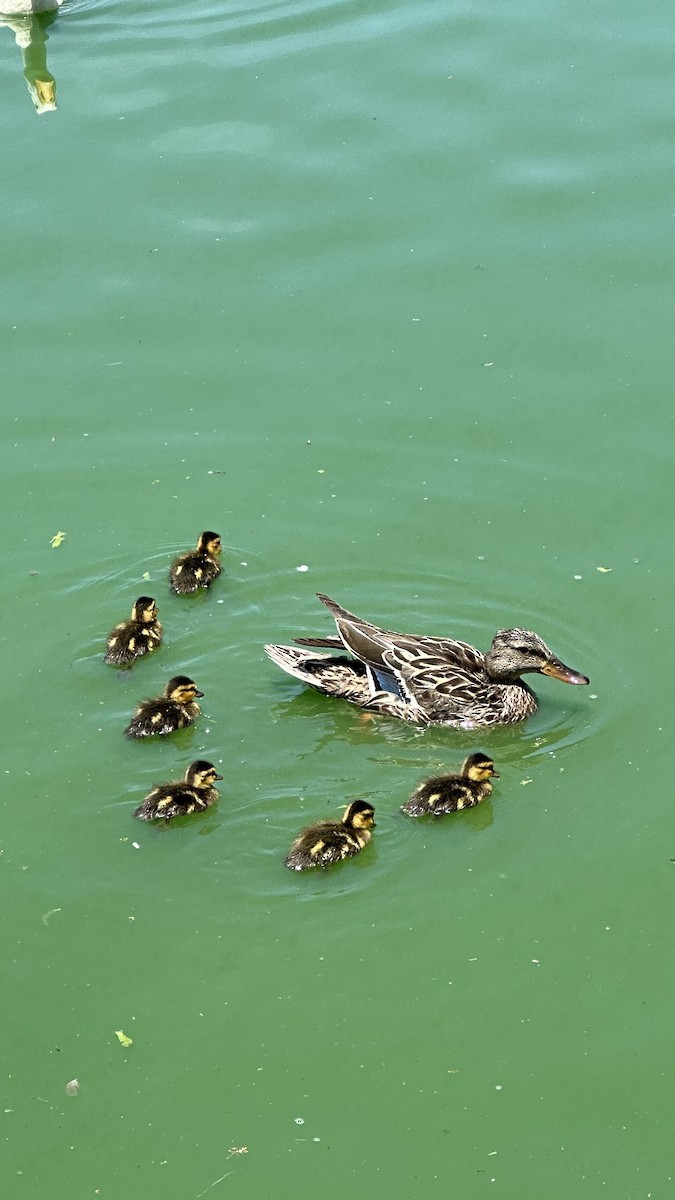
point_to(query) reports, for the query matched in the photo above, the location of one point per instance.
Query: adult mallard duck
(329, 842)
(132, 639)
(198, 568)
(164, 714)
(451, 793)
(427, 680)
(194, 793)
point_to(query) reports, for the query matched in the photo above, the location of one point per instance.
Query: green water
(383, 291)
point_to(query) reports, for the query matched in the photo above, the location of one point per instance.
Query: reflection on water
(328, 721)
(325, 722)
(29, 21)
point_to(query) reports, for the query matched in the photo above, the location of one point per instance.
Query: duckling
(449, 793)
(197, 568)
(132, 639)
(329, 842)
(173, 710)
(194, 793)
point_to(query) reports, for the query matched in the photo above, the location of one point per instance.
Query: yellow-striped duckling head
(479, 768)
(145, 610)
(201, 774)
(359, 815)
(182, 690)
(210, 543)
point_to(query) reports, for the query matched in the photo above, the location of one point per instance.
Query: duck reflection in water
(29, 21)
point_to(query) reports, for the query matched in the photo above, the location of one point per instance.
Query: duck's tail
(335, 675)
(346, 678)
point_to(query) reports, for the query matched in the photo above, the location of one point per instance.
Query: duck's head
(210, 543)
(181, 689)
(515, 651)
(145, 610)
(359, 815)
(479, 767)
(201, 774)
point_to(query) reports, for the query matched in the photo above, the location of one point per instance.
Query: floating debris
(55, 542)
(123, 1039)
(72, 1087)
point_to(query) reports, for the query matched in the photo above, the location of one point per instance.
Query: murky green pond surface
(382, 291)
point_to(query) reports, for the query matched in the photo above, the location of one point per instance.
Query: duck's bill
(200, 694)
(558, 670)
(44, 95)
(494, 774)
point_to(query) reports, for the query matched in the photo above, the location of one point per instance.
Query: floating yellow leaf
(123, 1039)
(146, 574)
(604, 570)
(55, 542)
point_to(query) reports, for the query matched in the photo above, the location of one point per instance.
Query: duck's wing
(367, 641)
(364, 640)
(407, 664)
(445, 692)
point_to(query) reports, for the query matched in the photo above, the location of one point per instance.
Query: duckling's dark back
(451, 793)
(328, 842)
(198, 568)
(195, 793)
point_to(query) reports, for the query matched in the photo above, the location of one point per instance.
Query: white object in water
(13, 8)
(29, 21)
